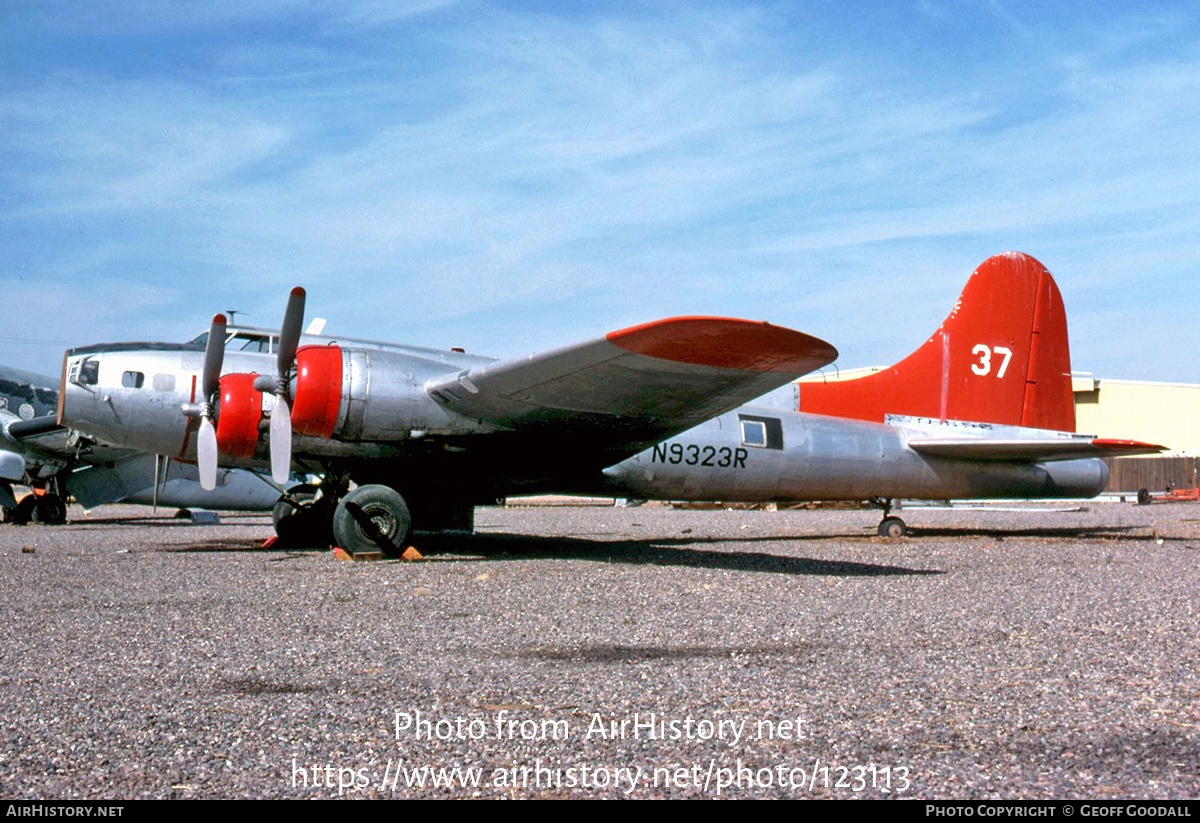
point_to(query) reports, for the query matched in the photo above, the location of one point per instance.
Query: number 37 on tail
(406, 437)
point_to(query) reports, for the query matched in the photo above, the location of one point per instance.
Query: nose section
(62, 389)
(70, 393)
(83, 402)
(131, 395)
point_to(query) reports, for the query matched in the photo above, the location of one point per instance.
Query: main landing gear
(301, 518)
(43, 507)
(890, 526)
(371, 517)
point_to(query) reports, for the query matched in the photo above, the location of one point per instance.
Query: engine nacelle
(239, 415)
(317, 396)
(353, 394)
(343, 394)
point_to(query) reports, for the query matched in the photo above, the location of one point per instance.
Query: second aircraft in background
(37, 453)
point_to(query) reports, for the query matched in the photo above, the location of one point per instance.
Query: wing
(1036, 449)
(638, 385)
(33, 428)
(42, 448)
(23, 442)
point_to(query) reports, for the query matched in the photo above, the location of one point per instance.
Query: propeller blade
(281, 441)
(214, 357)
(289, 335)
(206, 454)
(281, 415)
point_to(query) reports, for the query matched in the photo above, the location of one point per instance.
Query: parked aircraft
(38, 453)
(652, 411)
(27, 403)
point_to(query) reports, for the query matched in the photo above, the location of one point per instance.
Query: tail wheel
(893, 527)
(372, 517)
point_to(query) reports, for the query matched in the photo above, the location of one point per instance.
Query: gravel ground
(1029, 654)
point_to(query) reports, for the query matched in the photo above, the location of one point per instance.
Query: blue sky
(511, 176)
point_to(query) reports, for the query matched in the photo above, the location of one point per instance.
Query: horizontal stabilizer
(1031, 450)
(1125, 448)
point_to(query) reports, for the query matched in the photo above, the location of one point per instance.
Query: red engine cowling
(318, 393)
(239, 415)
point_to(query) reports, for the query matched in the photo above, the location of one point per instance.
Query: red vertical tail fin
(1001, 357)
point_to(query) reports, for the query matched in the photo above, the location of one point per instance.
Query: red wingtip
(727, 343)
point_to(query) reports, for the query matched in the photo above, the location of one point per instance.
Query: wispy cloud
(507, 178)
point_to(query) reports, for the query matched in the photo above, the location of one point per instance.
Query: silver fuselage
(390, 429)
(829, 458)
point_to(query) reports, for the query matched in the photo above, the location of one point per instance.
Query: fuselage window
(754, 433)
(133, 379)
(761, 432)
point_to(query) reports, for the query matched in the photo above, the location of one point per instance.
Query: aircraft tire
(301, 527)
(301, 523)
(893, 527)
(372, 517)
(50, 510)
(23, 513)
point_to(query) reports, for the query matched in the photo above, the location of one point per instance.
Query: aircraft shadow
(234, 544)
(1038, 532)
(668, 551)
(160, 521)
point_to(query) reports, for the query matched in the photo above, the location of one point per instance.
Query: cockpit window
(86, 373)
(250, 342)
(242, 341)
